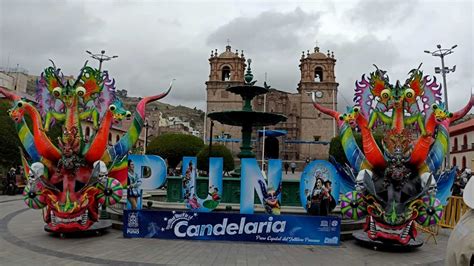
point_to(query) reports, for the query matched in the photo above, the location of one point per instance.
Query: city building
(308, 132)
(15, 79)
(461, 140)
(172, 124)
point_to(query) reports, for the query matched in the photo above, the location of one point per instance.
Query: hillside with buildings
(165, 117)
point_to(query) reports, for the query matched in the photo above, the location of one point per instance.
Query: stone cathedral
(308, 132)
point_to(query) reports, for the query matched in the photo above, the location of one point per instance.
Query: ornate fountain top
(249, 76)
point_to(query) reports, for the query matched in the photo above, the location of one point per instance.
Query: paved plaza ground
(24, 242)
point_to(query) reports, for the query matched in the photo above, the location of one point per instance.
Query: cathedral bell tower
(226, 69)
(317, 75)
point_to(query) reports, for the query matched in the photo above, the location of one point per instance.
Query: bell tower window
(225, 73)
(318, 74)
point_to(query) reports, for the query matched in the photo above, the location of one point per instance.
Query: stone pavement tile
(166, 259)
(28, 227)
(76, 263)
(12, 255)
(9, 207)
(241, 262)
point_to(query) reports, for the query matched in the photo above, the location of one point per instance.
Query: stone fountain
(247, 118)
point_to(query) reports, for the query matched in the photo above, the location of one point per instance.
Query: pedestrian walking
(293, 167)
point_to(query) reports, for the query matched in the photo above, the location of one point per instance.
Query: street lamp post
(147, 126)
(442, 52)
(101, 57)
(210, 138)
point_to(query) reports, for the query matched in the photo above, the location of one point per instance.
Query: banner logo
(290, 229)
(133, 223)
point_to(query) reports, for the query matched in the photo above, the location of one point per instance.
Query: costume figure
(214, 193)
(270, 196)
(328, 203)
(187, 176)
(313, 204)
(193, 202)
(134, 182)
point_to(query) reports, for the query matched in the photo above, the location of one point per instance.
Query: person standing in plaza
(11, 182)
(293, 167)
(287, 165)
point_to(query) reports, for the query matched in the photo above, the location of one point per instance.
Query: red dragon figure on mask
(71, 180)
(398, 183)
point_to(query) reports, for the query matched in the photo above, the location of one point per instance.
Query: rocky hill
(192, 115)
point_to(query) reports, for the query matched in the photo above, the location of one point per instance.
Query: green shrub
(9, 150)
(217, 151)
(173, 146)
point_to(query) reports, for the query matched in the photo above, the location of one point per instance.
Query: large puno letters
(252, 180)
(189, 172)
(155, 168)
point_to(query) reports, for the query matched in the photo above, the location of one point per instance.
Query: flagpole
(264, 130)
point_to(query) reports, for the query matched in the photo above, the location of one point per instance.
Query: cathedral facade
(308, 132)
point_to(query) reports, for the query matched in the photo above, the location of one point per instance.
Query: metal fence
(453, 212)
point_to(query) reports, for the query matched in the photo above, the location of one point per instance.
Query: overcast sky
(160, 40)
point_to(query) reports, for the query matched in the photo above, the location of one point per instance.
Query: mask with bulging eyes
(272, 195)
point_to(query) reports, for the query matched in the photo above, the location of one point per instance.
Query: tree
(217, 151)
(9, 152)
(173, 146)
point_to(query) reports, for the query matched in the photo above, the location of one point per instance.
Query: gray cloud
(158, 41)
(376, 14)
(269, 32)
(45, 29)
(152, 74)
(357, 57)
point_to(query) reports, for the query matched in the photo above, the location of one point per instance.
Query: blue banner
(288, 229)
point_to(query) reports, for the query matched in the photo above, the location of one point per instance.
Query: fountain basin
(247, 91)
(247, 118)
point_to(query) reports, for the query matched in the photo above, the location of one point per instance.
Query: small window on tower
(226, 73)
(317, 138)
(318, 74)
